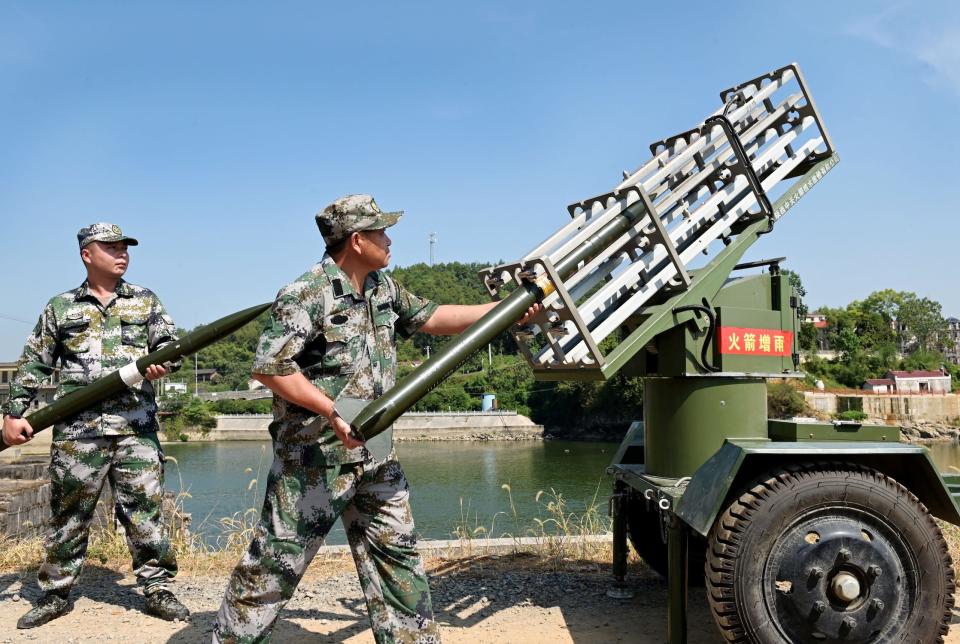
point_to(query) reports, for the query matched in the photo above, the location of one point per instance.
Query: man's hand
(343, 431)
(154, 372)
(533, 310)
(16, 431)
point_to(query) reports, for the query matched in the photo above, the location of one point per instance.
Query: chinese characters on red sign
(755, 342)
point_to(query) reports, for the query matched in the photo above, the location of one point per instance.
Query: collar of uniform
(336, 275)
(122, 290)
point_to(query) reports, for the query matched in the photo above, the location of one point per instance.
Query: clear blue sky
(214, 132)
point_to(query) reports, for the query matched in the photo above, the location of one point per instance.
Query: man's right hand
(343, 431)
(16, 431)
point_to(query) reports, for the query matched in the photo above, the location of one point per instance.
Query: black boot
(48, 607)
(164, 605)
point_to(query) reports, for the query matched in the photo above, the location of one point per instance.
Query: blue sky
(214, 132)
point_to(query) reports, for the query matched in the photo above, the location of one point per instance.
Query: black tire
(777, 555)
(649, 542)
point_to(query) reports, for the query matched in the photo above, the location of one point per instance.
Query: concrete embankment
(499, 425)
(465, 426)
(922, 416)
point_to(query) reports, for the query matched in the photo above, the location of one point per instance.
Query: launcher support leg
(618, 508)
(676, 581)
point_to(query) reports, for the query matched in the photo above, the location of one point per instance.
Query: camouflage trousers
(78, 469)
(303, 501)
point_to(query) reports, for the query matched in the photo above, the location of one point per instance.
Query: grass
(557, 534)
(552, 540)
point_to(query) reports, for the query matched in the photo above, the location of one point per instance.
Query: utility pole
(196, 377)
(433, 244)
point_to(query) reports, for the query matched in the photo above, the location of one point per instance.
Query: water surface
(451, 482)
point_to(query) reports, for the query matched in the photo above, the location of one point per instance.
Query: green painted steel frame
(739, 460)
(698, 499)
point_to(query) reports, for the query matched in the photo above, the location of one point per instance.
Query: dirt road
(477, 599)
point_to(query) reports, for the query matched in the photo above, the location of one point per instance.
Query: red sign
(755, 342)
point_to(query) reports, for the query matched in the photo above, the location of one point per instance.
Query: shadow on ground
(490, 598)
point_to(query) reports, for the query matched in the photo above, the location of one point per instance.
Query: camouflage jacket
(88, 340)
(342, 341)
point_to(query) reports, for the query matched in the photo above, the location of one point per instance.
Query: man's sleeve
(162, 331)
(412, 311)
(36, 363)
(289, 327)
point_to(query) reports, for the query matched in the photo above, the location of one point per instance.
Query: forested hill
(453, 283)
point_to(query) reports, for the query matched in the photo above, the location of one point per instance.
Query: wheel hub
(845, 587)
(836, 580)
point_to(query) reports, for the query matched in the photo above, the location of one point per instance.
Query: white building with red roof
(911, 382)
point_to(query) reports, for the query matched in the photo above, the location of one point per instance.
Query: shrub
(198, 414)
(852, 414)
(784, 401)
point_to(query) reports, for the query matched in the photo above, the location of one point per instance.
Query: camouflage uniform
(116, 439)
(344, 343)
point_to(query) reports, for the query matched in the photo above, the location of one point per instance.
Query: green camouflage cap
(351, 214)
(103, 232)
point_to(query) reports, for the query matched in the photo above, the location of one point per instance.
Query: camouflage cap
(351, 214)
(103, 232)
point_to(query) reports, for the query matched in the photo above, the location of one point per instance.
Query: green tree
(793, 279)
(197, 413)
(921, 320)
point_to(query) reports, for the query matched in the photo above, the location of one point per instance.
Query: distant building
(817, 319)
(879, 385)
(820, 327)
(207, 375)
(171, 387)
(47, 390)
(910, 382)
(951, 344)
(921, 382)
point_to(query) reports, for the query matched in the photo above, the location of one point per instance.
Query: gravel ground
(477, 599)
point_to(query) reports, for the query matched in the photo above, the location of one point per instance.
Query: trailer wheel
(649, 541)
(829, 552)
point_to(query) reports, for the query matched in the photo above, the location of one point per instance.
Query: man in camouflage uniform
(91, 331)
(330, 336)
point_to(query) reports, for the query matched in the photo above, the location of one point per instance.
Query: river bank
(925, 431)
(501, 425)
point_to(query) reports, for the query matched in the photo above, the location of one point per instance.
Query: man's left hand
(155, 371)
(533, 310)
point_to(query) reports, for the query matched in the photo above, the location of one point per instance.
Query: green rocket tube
(380, 414)
(115, 382)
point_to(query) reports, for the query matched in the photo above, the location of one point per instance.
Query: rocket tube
(115, 382)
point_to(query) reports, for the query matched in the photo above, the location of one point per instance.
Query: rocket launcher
(647, 255)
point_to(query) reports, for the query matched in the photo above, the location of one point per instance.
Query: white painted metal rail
(699, 188)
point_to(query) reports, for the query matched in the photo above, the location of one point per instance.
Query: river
(452, 483)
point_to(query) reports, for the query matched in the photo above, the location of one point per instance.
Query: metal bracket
(735, 94)
(567, 311)
(745, 167)
(687, 137)
(660, 236)
(587, 204)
